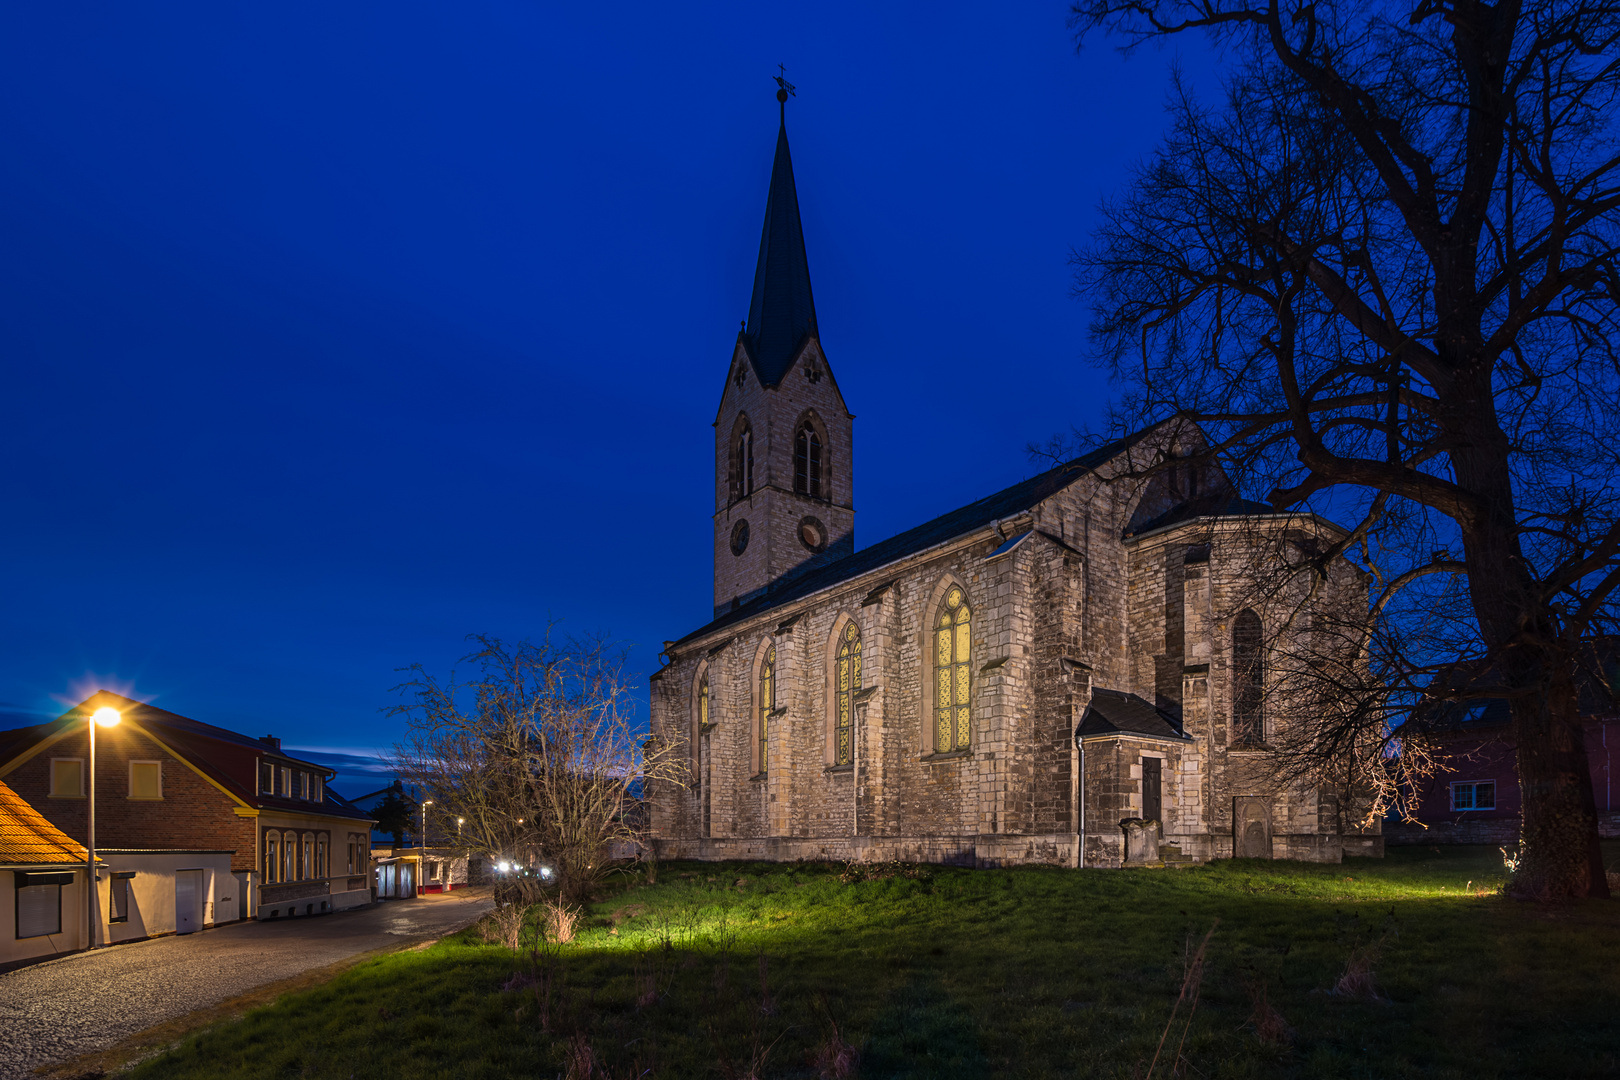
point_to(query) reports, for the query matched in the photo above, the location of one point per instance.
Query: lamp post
(106, 717)
(421, 840)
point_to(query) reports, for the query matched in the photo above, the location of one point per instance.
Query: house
(1474, 797)
(223, 825)
(42, 875)
(1073, 670)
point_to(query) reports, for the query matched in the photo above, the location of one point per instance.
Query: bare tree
(1382, 276)
(538, 759)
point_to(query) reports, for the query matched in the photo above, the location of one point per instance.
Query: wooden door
(1152, 790)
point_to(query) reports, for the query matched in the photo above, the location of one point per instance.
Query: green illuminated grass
(962, 973)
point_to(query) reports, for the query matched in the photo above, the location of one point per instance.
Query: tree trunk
(1558, 831)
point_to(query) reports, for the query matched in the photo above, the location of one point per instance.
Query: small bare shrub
(561, 920)
(1192, 983)
(1357, 983)
(834, 1058)
(581, 1059)
(504, 926)
(880, 871)
(1268, 1023)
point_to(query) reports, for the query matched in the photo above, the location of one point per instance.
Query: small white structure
(151, 893)
(42, 872)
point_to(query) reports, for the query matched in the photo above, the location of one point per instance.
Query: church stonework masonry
(1052, 674)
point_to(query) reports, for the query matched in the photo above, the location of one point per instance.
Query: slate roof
(1225, 504)
(782, 312)
(27, 839)
(1114, 711)
(970, 518)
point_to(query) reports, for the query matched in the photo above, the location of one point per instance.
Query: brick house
(268, 838)
(1475, 799)
(1067, 671)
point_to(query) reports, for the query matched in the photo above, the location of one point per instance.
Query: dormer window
(807, 462)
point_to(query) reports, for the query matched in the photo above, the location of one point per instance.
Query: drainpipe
(1080, 742)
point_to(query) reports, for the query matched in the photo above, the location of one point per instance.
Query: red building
(1475, 799)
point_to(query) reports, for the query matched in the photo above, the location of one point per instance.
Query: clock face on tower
(812, 534)
(739, 538)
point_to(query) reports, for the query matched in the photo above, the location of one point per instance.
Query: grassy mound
(1406, 966)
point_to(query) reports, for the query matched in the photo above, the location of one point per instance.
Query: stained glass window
(703, 702)
(953, 638)
(849, 681)
(767, 703)
(1248, 679)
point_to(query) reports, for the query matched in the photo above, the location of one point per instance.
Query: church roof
(970, 518)
(1115, 712)
(782, 312)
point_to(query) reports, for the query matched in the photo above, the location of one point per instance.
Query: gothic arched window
(849, 682)
(742, 461)
(272, 857)
(703, 702)
(953, 637)
(1248, 680)
(807, 461)
(767, 704)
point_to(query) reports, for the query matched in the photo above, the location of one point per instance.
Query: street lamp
(460, 821)
(106, 717)
(422, 839)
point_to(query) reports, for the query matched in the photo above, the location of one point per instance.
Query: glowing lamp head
(106, 716)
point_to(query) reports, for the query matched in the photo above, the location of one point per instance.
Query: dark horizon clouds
(331, 335)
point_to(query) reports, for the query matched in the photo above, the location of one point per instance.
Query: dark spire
(782, 314)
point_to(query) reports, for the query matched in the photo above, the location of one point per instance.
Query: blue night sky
(334, 333)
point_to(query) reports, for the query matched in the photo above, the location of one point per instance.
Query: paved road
(86, 1002)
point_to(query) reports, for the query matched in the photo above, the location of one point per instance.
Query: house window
(953, 638)
(289, 857)
(351, 858)
(67, 777)
(807, 462)
(767, 704)
(39, 903)
(1474, 795)
(317, 788)
(146, 780)
(267, 778)
(118, 899)
(849, 682)
(307, 866)
(1248, 680)
(272, 858)
(285, 791)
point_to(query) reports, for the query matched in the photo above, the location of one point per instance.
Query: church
(1070, 671)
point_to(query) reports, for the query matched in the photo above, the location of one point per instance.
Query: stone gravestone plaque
(1141, 841)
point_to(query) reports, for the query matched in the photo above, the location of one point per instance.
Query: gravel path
(88, 1001)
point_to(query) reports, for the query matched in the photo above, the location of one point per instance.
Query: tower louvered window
(742, 464)
(807, 462)
(767, 704)
(953, 637)
(849, 682)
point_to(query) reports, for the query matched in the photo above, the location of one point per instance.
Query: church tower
(783, 440)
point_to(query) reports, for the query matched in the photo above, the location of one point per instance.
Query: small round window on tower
(739, 538)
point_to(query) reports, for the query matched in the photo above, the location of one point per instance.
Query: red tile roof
(27, 839)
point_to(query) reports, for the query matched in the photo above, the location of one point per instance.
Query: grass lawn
(971, 973)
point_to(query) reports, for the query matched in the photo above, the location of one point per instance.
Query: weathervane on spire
(784, 89)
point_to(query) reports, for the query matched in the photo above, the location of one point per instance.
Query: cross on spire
(784, 89)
